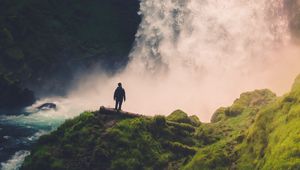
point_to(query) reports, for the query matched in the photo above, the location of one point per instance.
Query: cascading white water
(201, 33)
(198, 55)
(194, 55)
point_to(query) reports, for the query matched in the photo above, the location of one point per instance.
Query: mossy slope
(263, 135)
(228, 130)
(273, 141)
(96, 140)
(259, 131)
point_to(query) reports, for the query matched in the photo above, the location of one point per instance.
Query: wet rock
(47, 106)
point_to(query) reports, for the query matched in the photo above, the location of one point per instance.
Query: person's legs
(116, 105)
(120, 104)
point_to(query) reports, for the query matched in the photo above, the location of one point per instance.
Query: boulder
(47, 106)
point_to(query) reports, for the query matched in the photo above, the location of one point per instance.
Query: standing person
(119, 96)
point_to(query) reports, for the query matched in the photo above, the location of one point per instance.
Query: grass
(273, 140)
(113, 142)
(261, 131)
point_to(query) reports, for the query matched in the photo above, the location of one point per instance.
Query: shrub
(179, 116)
(195, 120)
(218, 115)
(159, 121)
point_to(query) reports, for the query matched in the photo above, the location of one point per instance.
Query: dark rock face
(43, 43)
(13, 97)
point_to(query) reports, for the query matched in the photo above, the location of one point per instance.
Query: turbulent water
(196, 55)
(19, 132)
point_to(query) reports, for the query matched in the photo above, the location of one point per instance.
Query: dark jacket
(119, 94)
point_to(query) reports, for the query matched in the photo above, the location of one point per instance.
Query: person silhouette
(119, 96)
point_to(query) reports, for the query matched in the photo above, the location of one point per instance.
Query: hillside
(272, 142)
(44, 43)
(259, 131)
(265, 137)
(101, 140)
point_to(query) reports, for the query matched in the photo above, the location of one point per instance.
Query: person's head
(120, 84)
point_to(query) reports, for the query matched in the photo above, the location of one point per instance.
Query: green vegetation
(259, 131)
(101, 141)
(273, 140)
(181, 117)
(223, 137)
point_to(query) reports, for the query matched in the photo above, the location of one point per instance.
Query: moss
(195, 120)
(271, 142)
(296, 87)
(159, 121)
(222, 139)
(179, 116)
(218, 115)
(130, 143)
(253, 99)
(263, 135)
(57, 165)
(177, 147)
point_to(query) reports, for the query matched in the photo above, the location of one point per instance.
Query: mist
(196, 56)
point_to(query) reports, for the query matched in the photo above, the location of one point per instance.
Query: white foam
(6, 137)
(49, 119)
(15, 162)
(37, 135)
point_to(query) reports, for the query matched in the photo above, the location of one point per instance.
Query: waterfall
(195, 55)
(198, 55)
(213, 35)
